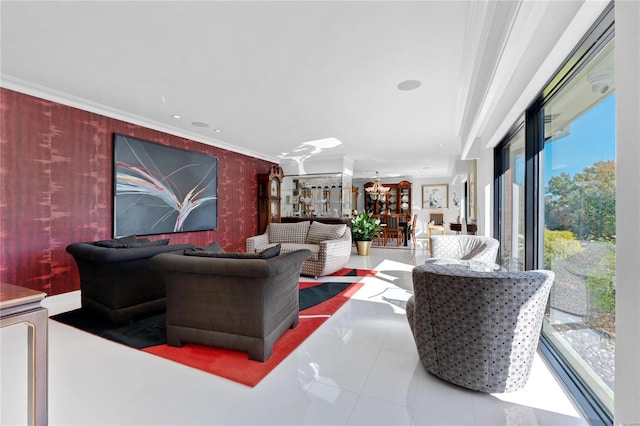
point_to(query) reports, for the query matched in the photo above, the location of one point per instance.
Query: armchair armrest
(257, 241)
(340, 245)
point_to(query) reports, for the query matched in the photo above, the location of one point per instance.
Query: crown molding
(32, 89)
(475, 43)
(497, 28)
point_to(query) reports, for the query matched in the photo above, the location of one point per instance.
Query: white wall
(627, 393)
(485, 193)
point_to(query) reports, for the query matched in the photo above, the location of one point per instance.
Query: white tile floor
(359, 368)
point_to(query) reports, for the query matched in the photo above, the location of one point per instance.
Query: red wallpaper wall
(56, 174)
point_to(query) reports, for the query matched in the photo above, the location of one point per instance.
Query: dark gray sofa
(116, 282)
(236, 301)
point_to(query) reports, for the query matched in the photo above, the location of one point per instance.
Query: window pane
(579, 215)
(512, 213)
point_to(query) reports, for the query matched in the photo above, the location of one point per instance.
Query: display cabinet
(396, 201)
(316, 196)
(269, 197)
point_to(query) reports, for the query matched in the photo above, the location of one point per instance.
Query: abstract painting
(160, 189)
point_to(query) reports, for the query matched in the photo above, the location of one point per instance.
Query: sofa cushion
(131, 242)
(288, 232)
(319, 232)
(267, 253)
(313, 248)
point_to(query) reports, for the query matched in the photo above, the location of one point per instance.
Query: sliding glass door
(556, 202)
(579, 230)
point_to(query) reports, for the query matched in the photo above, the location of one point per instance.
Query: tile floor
(359, 368)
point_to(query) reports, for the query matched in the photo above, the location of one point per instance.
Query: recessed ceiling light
(217, 130)
(176, 116)
(200, 124)
(409, 85)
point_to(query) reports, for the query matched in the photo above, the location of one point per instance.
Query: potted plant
(364, 227)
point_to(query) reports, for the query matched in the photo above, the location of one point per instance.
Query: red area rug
(236, 366)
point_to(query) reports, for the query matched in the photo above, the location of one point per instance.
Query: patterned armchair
(478, 330)
(465, 247)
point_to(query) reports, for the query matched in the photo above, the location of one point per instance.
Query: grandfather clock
(269, 197)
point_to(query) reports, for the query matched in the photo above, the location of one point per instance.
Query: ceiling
(269, 78)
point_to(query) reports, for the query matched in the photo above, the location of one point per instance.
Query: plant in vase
(364, 227)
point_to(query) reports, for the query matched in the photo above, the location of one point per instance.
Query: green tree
(559, 245)
(585, 204)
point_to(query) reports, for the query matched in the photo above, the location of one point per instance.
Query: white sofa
(330, 244)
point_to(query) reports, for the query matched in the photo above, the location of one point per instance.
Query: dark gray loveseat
(115, 280)
(236, 301)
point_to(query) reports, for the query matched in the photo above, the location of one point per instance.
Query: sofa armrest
(94, 253)
(257, 241)
(342, 244)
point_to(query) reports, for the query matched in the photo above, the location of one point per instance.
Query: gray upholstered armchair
(115, 280)
(465, 247)
(237, 301)
(479, 330)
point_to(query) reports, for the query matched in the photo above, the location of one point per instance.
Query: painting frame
(160, 189)
(435, 196)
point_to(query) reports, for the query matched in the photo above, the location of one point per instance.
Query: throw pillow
(214, 247)
(270, 252)
(319, 232)
(288, 232)
(116, 242)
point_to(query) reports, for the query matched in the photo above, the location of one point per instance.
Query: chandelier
(377, 190)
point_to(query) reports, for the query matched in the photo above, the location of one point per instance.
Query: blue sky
(591, 139)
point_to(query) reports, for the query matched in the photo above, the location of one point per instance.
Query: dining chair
(414, 223)
(393, 228)
(436, 223)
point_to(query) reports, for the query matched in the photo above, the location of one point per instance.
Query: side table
(20, 305)
(457, 228)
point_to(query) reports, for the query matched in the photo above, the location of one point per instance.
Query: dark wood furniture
(269, 197)
(412, 229)
(457, 227)
(396, 201)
